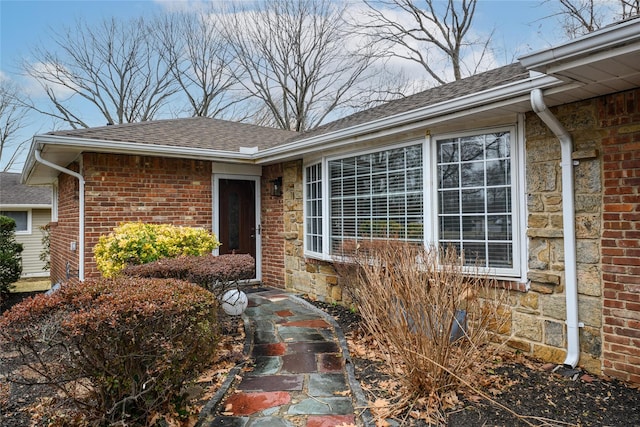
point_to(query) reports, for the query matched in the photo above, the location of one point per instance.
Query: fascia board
(25, 206)
(420, 117)
(604, 40)
(106, 146)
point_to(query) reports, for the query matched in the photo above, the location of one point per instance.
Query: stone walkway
(301, 372)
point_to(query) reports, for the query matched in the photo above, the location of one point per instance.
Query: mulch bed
(527, 387)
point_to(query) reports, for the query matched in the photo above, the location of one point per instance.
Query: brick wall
(272, 221)
(122, 188)
(65, 230)
(619, 116)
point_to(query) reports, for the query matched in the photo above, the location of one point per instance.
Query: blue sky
(518, 26)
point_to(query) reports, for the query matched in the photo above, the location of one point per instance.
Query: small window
(313, 208)
(21, 218)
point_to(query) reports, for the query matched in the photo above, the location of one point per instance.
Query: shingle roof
(477, 83)
(193, 132)
(215, 134)
(14, 193)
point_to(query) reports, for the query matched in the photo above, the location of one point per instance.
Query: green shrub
(118, 348)
(10, 258)
(140, 243)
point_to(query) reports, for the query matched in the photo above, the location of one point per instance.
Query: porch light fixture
(276, 186)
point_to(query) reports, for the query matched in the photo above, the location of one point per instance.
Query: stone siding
(539, 315)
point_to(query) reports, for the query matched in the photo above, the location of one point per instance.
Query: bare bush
(119, 350)
(424, 309)
(216, 273)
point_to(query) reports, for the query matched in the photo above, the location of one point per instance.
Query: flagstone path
(301, 375)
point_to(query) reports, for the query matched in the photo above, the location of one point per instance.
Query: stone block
(552, 202)
(542, 177)
(331, 280)
(544, 232)
(519, 344)
(589, 203)
(291, 263)
(556, 221)
(336, 293)
(542, 288)
(526, 326)
(589, 282)
(538, 220)
(529, 300)
(587, 226)
(591, 341)
(534, 203)
(587, 177)
(590, 311)
(554, 333)
(543, 277)
(551, 354)
(588, 251)
(553, 306)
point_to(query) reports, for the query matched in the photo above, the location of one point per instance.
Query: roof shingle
(14, 193)
(193, 132)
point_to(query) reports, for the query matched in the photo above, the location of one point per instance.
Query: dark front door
(237, 206)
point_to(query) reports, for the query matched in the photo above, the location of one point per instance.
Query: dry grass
(422, 306)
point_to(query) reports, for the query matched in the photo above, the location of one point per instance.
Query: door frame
(216, 177)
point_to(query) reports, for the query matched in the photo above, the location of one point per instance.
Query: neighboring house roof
(477, 83)
(13, 193)
(193, 132)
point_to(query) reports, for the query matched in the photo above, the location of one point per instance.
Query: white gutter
(599, 41)
(568, 224)
(81, 213)
(134, 148)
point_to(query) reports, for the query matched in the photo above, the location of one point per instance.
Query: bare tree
(201, 62)
(296, 60)
(12, 119)
(113, 67)
(579, 17)
(426, 32)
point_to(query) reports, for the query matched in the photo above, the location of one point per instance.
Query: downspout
(568, 225)
(81, 202)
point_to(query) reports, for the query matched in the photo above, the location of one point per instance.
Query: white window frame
(29, 219)
(517, 194)
(306, 214)
(54, 201)
(430, 194)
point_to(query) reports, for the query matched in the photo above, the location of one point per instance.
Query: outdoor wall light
(276, 186)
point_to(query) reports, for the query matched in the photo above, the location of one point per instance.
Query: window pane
(449, 176)
(473, 201)
(498, 146)
(449, 202)
(472, 148)
(472, 174)
(498, 172)
(450, 228)
(20, 217)
(473, 228)
(500, 255)
(499, 200)
(475, 254)
(448, 151)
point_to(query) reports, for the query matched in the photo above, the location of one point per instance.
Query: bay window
(452, 190)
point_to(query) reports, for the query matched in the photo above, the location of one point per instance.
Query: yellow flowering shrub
(137, 243)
